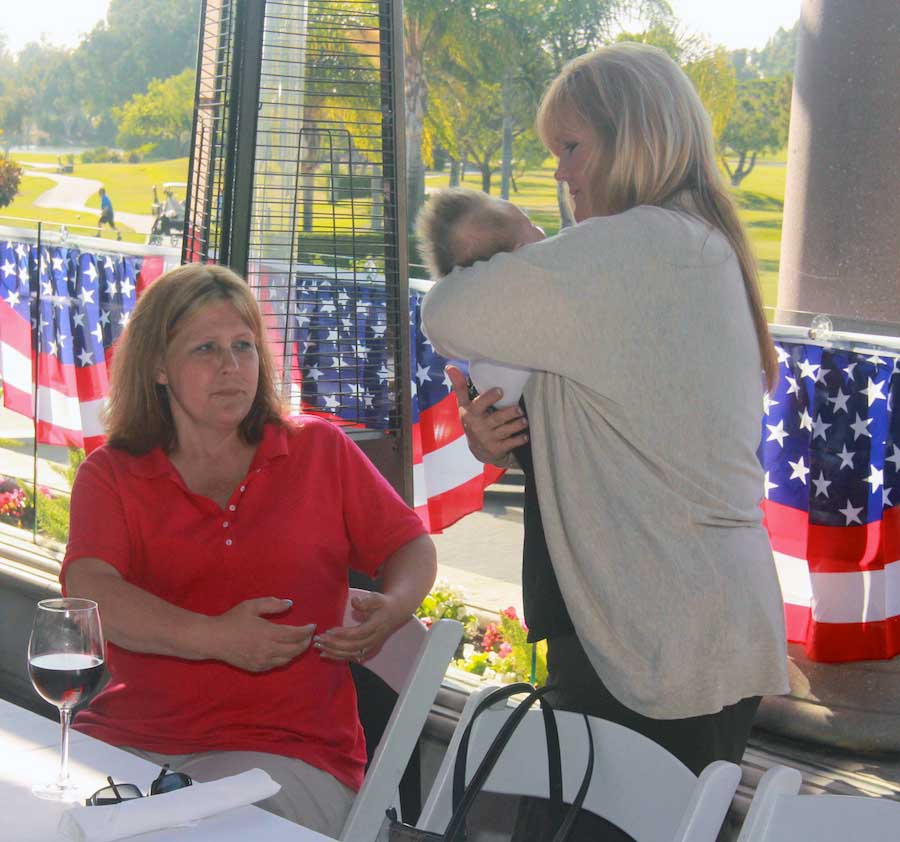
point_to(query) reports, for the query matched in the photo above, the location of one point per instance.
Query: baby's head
(457, 227)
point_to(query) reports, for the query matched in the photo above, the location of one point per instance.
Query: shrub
(101, 155)
(499, 651)
(447, 603)
(19, 507)
(10, 179)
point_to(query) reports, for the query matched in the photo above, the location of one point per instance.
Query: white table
(29, 752)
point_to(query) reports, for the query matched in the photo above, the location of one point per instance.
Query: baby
(458, 227)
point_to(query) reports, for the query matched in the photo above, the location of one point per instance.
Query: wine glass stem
(65, 715)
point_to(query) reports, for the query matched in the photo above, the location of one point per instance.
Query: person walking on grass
(106, 214)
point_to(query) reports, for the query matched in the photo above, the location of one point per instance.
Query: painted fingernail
(317, 639)
(288, 602)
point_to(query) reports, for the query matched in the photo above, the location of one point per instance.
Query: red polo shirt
(311, 506)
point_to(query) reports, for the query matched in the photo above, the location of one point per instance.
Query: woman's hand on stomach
(492, 436)
(245, 639)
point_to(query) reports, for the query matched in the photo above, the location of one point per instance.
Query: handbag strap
(464, 795)
(566, 827)
(554, 763)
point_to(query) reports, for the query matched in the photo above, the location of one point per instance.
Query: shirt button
(242, 488)
(232, 507)
(228, 542)
(225, 524)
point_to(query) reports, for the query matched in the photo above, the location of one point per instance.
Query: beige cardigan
(645, 415)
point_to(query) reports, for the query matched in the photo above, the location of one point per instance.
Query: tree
(773, 61)
(163, 115)
(742, 61)
(573, 27)
(140, 40)
(777, 58)
(10, 178)
(69, 94)
(714, 78)
(709, 68)
(432, 31)
(510, 56)
(44, 83)
(758, 124)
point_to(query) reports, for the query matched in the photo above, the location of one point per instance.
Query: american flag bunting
(830, 450)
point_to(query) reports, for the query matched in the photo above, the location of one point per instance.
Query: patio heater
(297, 182)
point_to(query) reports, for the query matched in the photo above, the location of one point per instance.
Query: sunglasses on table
(166, 781)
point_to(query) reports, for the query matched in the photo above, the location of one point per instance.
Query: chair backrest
(779, 814)
(636, 784)
(412, 662)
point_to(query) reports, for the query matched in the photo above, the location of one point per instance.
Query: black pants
(697, 740)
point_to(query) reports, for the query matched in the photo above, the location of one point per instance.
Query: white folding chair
(412, 662)
(636, 784)
(778, 813)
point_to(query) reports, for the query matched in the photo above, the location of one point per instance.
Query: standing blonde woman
(217, 537)
(655, 587)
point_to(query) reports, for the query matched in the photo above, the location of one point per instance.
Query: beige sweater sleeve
(530, 307)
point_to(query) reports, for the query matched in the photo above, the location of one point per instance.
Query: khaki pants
(308, 796)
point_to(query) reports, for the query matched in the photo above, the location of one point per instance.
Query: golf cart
(168, 222)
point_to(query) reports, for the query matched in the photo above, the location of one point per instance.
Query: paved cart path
(71, 192)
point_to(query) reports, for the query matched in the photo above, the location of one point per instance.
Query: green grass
(760, 199)
(130, 186)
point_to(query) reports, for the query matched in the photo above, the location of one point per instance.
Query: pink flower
(510, 613)
(505, 650)
(492, 638)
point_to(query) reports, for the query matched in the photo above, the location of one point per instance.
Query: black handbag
(464, 795)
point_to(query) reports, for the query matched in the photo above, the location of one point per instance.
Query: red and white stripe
(840, 584)
(448, 481)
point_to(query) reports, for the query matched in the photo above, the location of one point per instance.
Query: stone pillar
(840, 250)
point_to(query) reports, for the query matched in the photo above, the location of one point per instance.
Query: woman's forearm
(409, 573)
(136, 619)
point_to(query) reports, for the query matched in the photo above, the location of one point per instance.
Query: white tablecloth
(29, 753)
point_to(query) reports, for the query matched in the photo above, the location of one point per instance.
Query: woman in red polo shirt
(216, 537)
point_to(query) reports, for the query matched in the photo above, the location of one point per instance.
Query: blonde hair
(655, 147)
(446, 229)
(138, 417)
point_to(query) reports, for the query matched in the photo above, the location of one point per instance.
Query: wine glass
(65, 662)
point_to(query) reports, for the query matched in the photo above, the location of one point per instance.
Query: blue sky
(734, 23)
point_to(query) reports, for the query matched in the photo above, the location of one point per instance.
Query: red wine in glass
(65, 662)
(66, 679)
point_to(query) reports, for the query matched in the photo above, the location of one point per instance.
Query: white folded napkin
(183, 806)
